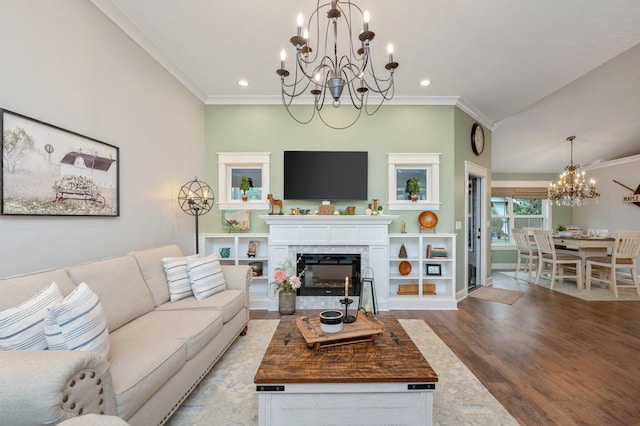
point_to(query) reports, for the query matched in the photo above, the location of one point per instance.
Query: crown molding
(475, 114)
(397, 100)
(611, 163)
(129, 28)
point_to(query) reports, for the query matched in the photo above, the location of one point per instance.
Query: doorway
(475, 235)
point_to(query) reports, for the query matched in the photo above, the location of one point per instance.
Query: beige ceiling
(534, 72)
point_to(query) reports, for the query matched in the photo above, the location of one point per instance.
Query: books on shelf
(436, 252)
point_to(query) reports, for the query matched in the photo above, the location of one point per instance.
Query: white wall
(611, 212)
(65, 63)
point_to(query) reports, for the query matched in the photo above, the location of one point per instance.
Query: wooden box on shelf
(326, 209)
(412, 289)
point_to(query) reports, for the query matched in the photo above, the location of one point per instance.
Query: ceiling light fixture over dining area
(332, 56)
(572, 189)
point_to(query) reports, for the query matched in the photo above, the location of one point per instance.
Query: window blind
(537, 192)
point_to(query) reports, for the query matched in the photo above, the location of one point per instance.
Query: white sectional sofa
(159, 350)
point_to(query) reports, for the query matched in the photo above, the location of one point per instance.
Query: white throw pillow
(78, 323)
(178, 277)
(206, 276)
(21, 327)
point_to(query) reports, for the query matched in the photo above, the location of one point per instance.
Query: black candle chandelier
(324, 69)
(196, 198)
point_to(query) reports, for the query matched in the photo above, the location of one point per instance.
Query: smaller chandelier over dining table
(572, 188)
(332, 59)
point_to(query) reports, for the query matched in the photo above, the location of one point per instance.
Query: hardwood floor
(550, 359)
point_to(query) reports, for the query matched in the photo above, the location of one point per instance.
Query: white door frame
(482, 174)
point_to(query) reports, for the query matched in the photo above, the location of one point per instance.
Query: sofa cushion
(120, 287)
(77, 323)
(206, 276)
(178, 277)
(141, 365)
(22, 327)
(152, 270)
(19, 288)
(194, 328)
(228, 302)
(148, 351)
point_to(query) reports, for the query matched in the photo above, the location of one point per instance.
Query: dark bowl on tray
(331, 321)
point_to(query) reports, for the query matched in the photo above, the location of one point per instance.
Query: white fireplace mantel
(328, 219)
(288, 234)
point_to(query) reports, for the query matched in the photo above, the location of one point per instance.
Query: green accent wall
(393, 129)
(464, 153)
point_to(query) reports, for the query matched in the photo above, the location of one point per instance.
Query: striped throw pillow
(178, 277)
(78, 323)
(206, 276)
(21, 327)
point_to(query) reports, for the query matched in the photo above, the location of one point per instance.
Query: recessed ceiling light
(425, 83)
(243, 83)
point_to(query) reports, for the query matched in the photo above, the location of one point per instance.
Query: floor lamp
(196, 198)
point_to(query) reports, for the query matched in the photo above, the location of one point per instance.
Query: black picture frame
(433, 269)
(51, 171)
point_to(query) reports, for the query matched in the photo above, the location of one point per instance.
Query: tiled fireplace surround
(326, 302)
(363, 235)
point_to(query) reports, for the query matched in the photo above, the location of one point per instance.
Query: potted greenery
(244, 187)
(413, 188)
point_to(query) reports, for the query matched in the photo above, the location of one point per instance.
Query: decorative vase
(287, 302)
(414, 197)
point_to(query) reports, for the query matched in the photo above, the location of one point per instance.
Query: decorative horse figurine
(273, 202)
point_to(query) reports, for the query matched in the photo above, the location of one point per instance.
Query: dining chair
(624, 255)
(548, 255)
(527, 251)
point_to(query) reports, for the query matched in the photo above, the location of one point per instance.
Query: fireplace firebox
(325, 274)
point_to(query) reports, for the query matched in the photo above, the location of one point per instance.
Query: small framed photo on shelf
(253, 248)
(433, 269)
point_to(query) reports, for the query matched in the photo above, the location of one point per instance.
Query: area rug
(597, 293)
(497, 295)
(226, 396)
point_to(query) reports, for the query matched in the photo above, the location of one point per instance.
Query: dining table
(585, 246)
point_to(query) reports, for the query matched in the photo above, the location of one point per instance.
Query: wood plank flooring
(550, 359)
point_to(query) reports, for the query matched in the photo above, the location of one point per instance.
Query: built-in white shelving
(442, 269)
(239, 245)
(382, 250)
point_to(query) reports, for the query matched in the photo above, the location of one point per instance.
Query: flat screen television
(325, 175)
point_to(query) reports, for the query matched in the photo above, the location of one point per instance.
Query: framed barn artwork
(50, 171)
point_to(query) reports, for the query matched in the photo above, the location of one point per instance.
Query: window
(424, 167)
(511, 212)
(232, 166)
(517, 204)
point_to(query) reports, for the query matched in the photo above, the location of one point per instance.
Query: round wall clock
(477, 139)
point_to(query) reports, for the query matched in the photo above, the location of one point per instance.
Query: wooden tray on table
(363, 329)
